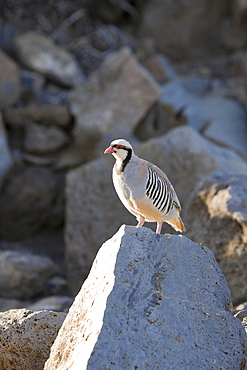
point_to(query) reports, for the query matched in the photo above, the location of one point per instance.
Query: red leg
(140, 223)
(159, 227)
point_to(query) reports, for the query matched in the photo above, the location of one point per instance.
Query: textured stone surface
(26, 338)
(9, 81)
(31, 198)
(42, 55)
(6, 161)
(44, 139)
(116, 96)
(217, 216)
(24, 275)
(151, 302)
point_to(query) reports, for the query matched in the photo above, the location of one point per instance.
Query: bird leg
(140, 223)
(159, 227)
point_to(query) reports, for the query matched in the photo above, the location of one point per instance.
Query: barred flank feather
(159, 191)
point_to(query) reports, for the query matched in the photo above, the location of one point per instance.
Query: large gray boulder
(217, 216)
(113, 100)
(26, 338)
(151, 302)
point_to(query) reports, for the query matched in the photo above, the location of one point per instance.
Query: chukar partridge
(143, 188)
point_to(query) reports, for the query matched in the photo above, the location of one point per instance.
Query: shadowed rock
(31, 198)
(217, 215)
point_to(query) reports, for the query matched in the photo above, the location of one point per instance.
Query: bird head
(120, 149)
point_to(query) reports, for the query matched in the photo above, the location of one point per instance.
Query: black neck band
(127, 159)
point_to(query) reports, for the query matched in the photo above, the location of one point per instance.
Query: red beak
(109, 150)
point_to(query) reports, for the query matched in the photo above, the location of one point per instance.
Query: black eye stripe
(117, 146)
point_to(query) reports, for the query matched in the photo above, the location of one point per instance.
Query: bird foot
(140, 223)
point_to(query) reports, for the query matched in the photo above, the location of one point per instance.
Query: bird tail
(177, 224)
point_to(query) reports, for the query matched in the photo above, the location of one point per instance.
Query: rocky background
(171, 77)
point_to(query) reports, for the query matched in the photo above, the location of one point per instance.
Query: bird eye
(119, 146)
